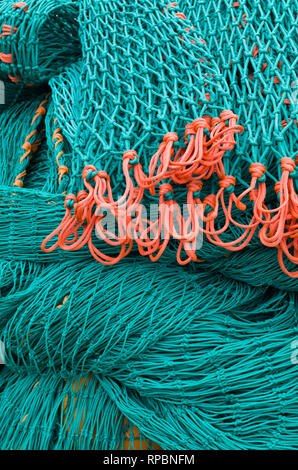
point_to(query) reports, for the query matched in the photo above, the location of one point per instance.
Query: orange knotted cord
(206, 141)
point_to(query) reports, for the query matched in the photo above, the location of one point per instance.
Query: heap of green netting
(38, 39)
(194, 360)
(195, 357)
(137, 80)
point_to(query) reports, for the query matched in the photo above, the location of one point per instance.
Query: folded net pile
(143, 337)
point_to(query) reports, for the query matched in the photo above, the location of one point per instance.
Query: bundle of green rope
(142, 354)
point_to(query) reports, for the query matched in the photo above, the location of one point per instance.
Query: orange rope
(190, 166)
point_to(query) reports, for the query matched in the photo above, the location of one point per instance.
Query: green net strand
(38, 39)
(26, 219)
(12, 93)
(40, 173)
(257, 267)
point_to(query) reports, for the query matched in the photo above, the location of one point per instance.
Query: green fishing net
(110, 104)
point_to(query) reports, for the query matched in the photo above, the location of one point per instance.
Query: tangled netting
(177, 330)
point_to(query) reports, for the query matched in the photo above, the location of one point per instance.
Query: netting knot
(170, 137)
(81, 195)
(257, 170)
(27, 146)
(200, 123)
(215, 121)
(195, 187)
(287, 164)
(63, 170)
